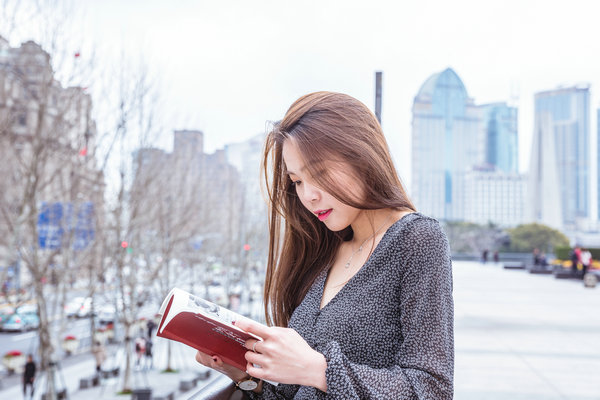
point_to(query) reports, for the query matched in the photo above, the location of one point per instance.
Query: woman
(358, 289)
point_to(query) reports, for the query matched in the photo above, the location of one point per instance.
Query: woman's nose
(311, 193)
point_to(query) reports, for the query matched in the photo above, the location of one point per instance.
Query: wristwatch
(249, 383)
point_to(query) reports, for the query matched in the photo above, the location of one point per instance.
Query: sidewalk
(521, 336)
(160, 383)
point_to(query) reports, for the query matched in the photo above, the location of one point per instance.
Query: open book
(204, 326)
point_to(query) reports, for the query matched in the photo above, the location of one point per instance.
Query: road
(27, 342)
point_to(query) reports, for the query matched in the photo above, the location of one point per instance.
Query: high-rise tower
(501, 136)
(447, 141)
(560, 163)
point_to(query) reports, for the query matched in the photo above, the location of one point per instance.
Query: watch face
(248, 385)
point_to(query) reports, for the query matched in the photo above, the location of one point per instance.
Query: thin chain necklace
(367, 239)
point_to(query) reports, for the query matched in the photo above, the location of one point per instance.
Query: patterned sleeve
(424, 364)
(272, 392)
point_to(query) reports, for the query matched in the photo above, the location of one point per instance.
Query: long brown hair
(327, 128)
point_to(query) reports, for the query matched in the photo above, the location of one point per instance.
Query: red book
(204, 326)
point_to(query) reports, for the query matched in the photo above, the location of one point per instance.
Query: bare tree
(46, 132)
(122, 229)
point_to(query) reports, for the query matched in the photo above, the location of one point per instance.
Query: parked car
(85, 310)
(80, 307)
(21, 322)
(5, 313)
(72, 306)
(106, 314)
(27, 309)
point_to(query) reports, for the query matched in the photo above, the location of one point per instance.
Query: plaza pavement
(518, 337)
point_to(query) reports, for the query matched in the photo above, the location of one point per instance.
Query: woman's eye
(296, 183)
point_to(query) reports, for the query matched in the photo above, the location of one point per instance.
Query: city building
(501, 134)
(559, 182)
(494, 196)
(465, 156)
(447, 141)
(51, 186)
(246, 157)
(187, 198)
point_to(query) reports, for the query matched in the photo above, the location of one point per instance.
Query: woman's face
(325, 207)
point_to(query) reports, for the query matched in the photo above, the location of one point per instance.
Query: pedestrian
(99, 354)
(536, 257)
(358, 290)
(150, 325)
(148, 353)
(586, 261)
(575, 260)
(543, 261)
(496, 257)
(484, 256)
(140, 349)
(29, 376)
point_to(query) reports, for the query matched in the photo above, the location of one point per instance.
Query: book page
(184, 301)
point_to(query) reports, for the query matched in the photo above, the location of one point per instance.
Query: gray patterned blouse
(388, 333)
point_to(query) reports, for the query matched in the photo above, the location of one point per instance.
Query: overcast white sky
(227, 67)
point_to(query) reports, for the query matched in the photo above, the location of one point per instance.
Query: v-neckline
(326, 271)
(366, 263)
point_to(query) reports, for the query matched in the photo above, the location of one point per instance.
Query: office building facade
(494, 196)
(560, 162)
(447, 140)
(501, 135)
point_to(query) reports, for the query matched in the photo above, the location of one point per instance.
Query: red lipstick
(323, 214)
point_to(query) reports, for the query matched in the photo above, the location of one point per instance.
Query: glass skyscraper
(501, 134)
(447, 141)
(562, 128)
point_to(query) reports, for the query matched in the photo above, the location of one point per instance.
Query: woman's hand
(283, 356)
(215, 362)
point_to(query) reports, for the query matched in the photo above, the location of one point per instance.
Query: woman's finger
(251, 344)
(254, 358)
(256, 371)
(254, 327)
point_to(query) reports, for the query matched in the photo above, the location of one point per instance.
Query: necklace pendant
(347, 265)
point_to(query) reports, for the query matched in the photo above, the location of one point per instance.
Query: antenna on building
(378, 75)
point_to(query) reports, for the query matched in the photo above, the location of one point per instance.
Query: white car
(106, 314)
(80, 307)
(85, 310)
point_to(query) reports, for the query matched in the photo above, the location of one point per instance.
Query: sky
(229, 67)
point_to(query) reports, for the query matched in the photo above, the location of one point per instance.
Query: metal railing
(219, 388)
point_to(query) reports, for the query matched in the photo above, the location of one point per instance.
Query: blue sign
(55, 220)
